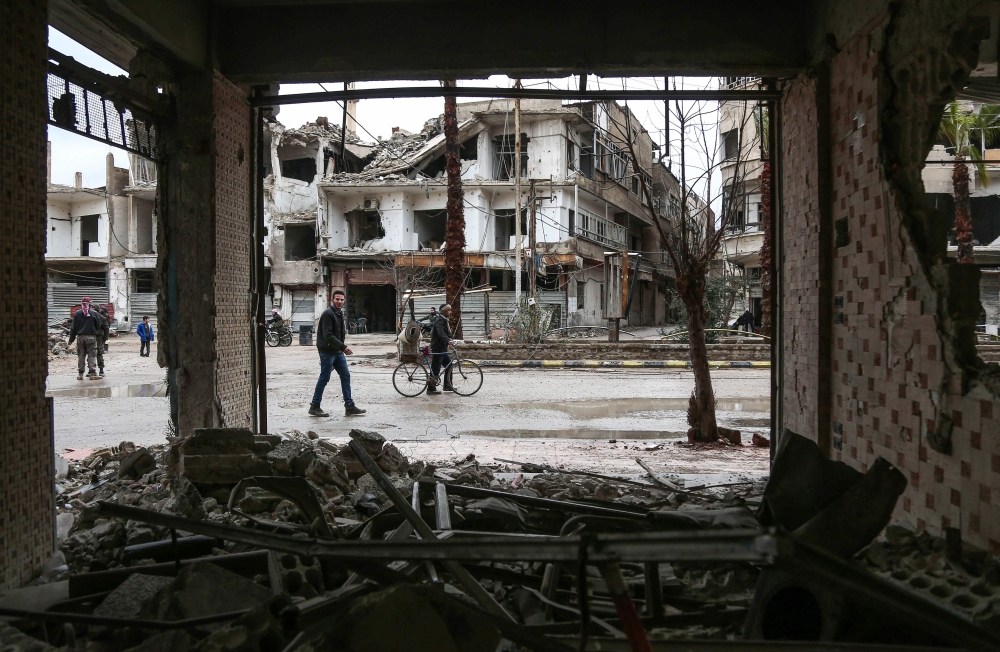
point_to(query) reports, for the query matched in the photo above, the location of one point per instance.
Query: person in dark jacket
(746, 320)
(330, 342)
(103, 333)
(85, 326)
(146, 335)
(440, 358)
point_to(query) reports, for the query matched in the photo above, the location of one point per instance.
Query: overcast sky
(376, 118)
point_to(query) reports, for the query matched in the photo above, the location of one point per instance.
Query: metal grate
(82, 111)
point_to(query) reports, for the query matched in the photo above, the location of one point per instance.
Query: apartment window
(731, 144)
(303, 169)
(503, 158)
(570, 155)
(300, 242)
(581, 295)
(572, 223)
(635, 184)
(587, 163)
(635, 242)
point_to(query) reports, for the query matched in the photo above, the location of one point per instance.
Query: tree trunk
(765, 250)
(701, 412)
(963, 220)
(454, 247)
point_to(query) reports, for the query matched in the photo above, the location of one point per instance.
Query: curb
(644, 364)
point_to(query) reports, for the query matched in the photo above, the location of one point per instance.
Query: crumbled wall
(905, 382)
(25, 448)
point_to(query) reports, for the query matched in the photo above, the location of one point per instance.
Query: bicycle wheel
(410, 379)
(271, 338)
(285, 339)
(466, 377)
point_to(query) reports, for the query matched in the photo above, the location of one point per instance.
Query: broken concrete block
(260, 629)
(128, 599)
(175, 640)
(371, 441)
(296, 575)
(323, 472)
(14, 639)
(218, 456)
(137, 464)
(204, 590)
(761, 441)
(64, 523)
(62, 467)
(391, 460)
(290, 458)
(185, 499)
(258, 500)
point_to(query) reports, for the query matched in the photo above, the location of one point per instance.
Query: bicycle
(278, 336)
(412, 375)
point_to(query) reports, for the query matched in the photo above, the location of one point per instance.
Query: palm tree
(961, 128)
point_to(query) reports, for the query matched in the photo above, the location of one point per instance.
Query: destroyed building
(101, 243)
(335, 229)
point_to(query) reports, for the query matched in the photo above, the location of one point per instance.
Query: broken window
(144, 281)
(635, 184)
(611, 159)
(572, 223)
(470, 149)
(571, 155)
(430, 228)
(506, 228)
(88, 234)
(303, 169)
(365, 225)
(503, 157)
(731, 144)
(581, 295)
(300, 242)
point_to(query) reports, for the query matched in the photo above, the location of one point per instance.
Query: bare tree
(693, 239)
(410, 280)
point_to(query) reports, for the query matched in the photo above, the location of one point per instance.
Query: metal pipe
(514, 93)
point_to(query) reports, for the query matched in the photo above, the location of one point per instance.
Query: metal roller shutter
(63, 296)
(139, 304)
(303, 308)
(473, 312)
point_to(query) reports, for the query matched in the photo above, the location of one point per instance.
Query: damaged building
(880, 400)
(351, 230)
(101, 243)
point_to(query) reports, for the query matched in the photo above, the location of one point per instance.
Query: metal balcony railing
(601, 231)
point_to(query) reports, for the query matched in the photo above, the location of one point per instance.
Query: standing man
(146, 335)
(332, 356)
(85, 327)
(103, 333)
(440, 339)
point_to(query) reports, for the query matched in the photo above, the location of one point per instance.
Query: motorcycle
(280, 336)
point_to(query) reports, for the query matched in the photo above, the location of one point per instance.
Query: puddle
(120, 391)
(582, 433)
(436, 409)
(623, 406)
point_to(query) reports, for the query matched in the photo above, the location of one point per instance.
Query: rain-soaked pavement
(587, 417)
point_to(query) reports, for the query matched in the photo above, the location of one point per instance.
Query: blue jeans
(328, 362)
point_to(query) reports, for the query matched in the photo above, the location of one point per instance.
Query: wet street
(578, 418)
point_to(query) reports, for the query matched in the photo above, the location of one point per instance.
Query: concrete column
(204, 256)
(26, 510)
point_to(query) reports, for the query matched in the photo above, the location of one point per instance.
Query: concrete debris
(262, 595)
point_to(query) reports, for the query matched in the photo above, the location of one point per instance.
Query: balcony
(599, 230)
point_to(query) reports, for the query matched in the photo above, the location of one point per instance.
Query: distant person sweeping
(333, 352)
(146, 335)
(86, 324)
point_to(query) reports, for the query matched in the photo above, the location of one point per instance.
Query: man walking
(84, 328)
(440, 358)
(332, 356)
(103, 333)
(145, 332)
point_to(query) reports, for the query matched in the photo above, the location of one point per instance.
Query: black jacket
(440, 334)
(84, 324)
(332, 331)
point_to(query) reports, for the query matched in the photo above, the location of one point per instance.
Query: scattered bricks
(137, 464)
(324, 472)
(264, 444)
(214, 456)
(391, 460)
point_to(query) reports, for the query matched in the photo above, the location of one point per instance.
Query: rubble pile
(389, 159)
(224, 540)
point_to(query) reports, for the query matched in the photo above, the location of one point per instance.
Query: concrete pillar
(204, 256)
(26, 510)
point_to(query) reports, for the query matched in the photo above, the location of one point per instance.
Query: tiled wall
(25, 449)
(800, 230)
(233, 330)
(891, 381)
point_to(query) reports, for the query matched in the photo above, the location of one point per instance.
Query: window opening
(303, 169)
(144, 281)
(300, 242)
(503, 157)
(88, 234)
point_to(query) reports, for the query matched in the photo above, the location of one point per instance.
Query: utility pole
(517, 198)
(532, 273)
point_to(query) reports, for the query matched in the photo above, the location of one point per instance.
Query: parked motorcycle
(281, 336)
